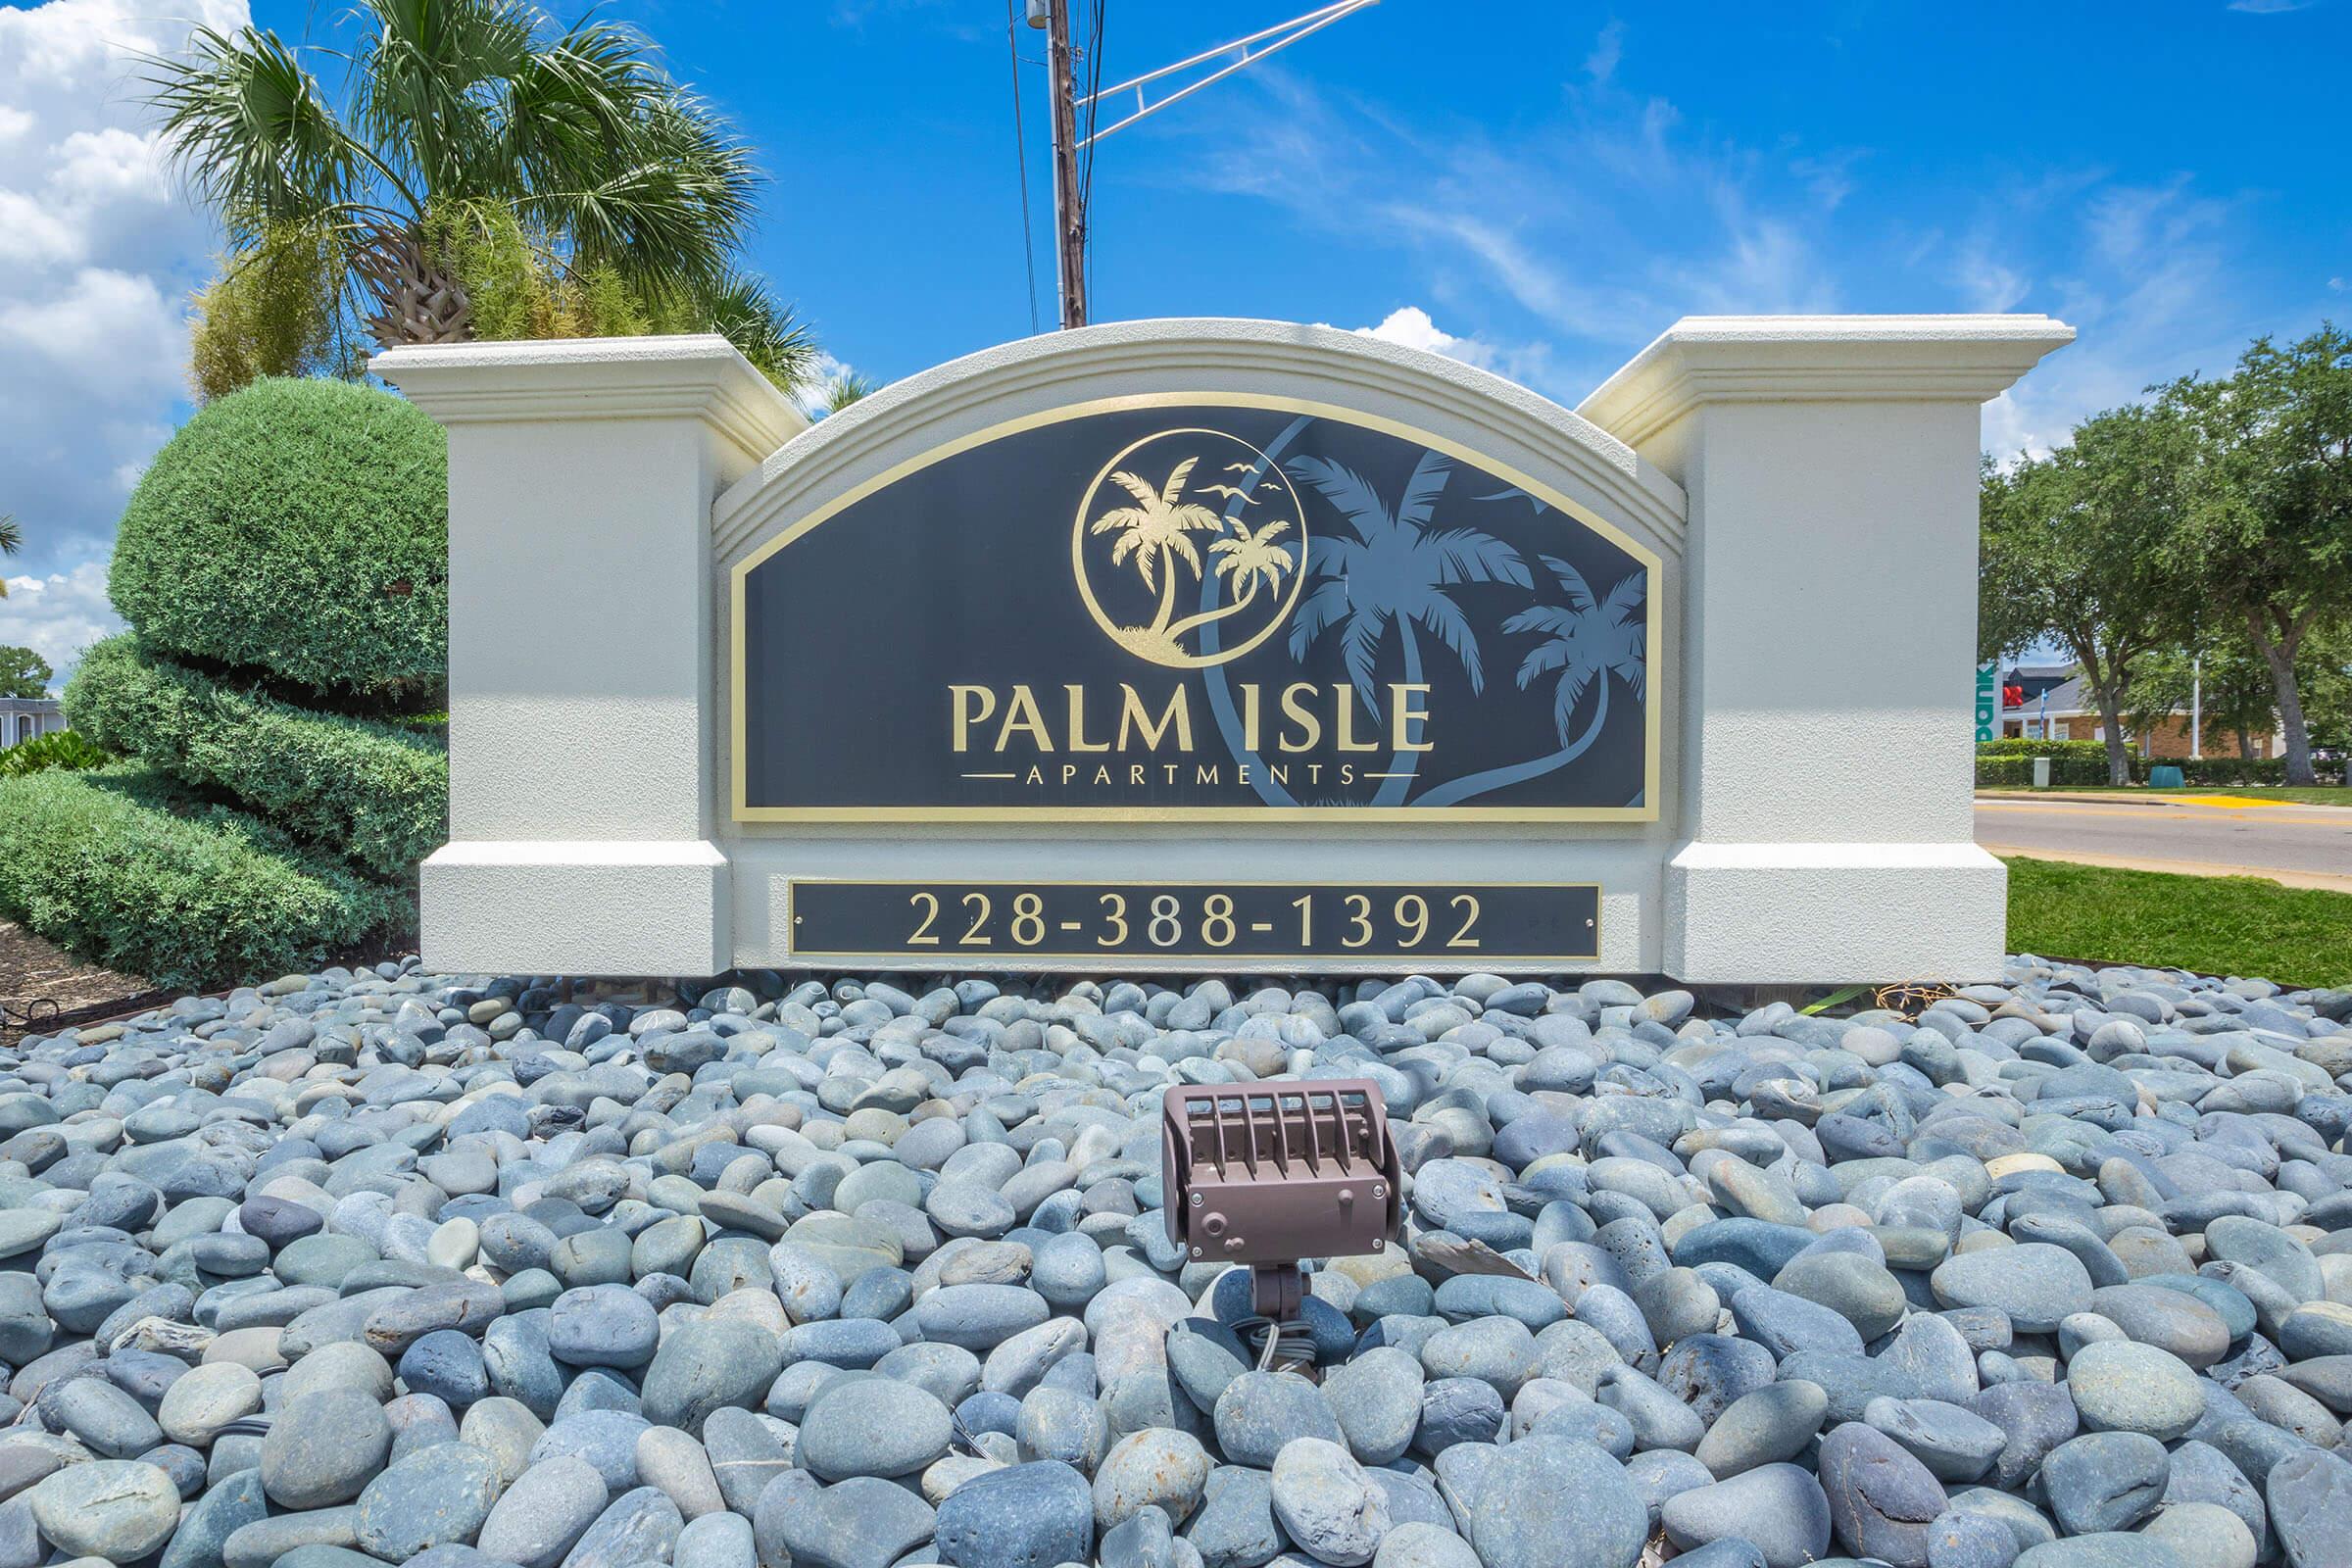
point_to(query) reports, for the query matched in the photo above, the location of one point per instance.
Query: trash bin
(2041, 772)
(2165, 777)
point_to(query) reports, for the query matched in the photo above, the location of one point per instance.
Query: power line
(1021, 153)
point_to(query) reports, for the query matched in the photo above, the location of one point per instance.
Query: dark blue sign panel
(1185, 608)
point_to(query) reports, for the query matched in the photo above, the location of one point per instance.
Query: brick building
(2052, 703)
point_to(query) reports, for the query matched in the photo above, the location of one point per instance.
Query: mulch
(43, 987)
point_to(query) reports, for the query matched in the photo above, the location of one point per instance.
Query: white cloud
(97, 257)
(2269, 8)
(1607, 50)
(1412, 328)
(58, 615)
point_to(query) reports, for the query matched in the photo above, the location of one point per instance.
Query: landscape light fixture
(1267, 1174)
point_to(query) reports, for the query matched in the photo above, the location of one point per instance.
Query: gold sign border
(1213, 957)
(1651, 560)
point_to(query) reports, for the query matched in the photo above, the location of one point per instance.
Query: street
(2299, 846)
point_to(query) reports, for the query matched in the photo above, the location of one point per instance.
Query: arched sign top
(1197, 605)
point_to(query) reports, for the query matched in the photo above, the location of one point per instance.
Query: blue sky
(1536, 187)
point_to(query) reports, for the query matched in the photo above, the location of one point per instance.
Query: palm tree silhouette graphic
(1394, 574)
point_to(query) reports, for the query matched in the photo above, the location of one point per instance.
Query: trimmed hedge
(122, 868)
(2033, 746)
(300, 527)
(2228, 769)
(61, 749)
(377, 793)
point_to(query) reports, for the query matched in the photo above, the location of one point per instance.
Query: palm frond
(1193, 515)
(249, 131)
(740, 308)
(1631, 668)
(1360, 648)
(1129, 517)
(1421, 491)
(1349, 491)
(1544, 657)
(1178, 544)
(1444, 617)
(1574, 681)
(1550, 618)
(1571, 582)
(1175, 485)
(1136, 487)
(1317, 612)
(1466, 555)
(12, 535)
(1327, 556)
(1124, 546)
(1626, 596)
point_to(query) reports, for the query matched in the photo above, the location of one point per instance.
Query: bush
(124, 870)
(301, 528)
(376, 792)
(63, 750)
(2009, 763)
(2230, 769)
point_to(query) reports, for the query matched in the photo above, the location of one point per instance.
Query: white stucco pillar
(582, 791)
(1830, 607)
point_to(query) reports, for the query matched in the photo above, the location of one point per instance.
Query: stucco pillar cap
(1806, 358)
(695, 375)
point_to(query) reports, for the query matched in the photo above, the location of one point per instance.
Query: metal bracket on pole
(1246, 51)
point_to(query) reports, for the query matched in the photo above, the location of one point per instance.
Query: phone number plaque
(1444, 924)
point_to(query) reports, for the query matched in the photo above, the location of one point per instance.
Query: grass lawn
(2314, 794)
(2232, 925)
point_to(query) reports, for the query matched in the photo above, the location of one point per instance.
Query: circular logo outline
(1131, 639)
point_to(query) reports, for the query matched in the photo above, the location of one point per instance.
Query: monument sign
(1221, 645)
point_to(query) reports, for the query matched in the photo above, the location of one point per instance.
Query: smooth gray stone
(1025, 1516)
(2105, 1481)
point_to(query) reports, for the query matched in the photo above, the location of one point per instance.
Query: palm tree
(1394, 573)
(465, 112)
(845, 389)
(1583, 639)
(1153, 531)
(12, 540)
(1242, 561)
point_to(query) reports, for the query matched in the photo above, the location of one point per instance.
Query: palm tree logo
(1152, 531)
(1396, 573)
(1583, 639)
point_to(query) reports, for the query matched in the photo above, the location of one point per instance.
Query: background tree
(2219, 680)
(12, 540)
(2070, 551)
(2266, 537)
(24, 672)
(461, 127)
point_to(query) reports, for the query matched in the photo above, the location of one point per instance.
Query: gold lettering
(1023, 716)
(1280, 772)
(1204, 773)
(1403, 716)
(1078, 740)
(1171, 769)
(1241, 775)
(1134, 718)
(1310, 728)
(1135, 774)
(1036, 775)
(1069, 771)
(1249, 717)
(1346, 773)
(1347, 726)
(1101, 775)
(972, 704)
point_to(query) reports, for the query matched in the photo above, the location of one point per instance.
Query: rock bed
(391, 1267)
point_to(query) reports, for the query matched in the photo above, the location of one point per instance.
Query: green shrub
(124, 869)
(2228, 769)
(62, 749)
(300, 527)
(2009, 762)
(2033, 746)
(377, 793)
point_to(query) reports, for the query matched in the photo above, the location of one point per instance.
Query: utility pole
(1070, 201)
(1069, 213)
